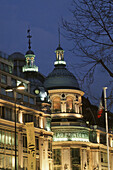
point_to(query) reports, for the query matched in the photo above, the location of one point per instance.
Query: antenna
(29, 37)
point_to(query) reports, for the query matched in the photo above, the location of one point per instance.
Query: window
(3, 79)
(56, 104)
(10, 69)
(13, 82)
(10, 94)
(76, 98)
(6, 67)
(31, 100)
(57, 156)
(103, 157)
(2, 66)
(25, 141)
(75, 158)
(69, 104)
(103, 138)
(3, 91)
(8, 113)
(28, 118)
(37, 143)
(25, 98)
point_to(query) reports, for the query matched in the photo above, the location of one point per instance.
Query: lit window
(56, 104)
(69, 104)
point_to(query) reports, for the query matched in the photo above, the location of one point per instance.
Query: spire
(59, 53)
(59, 35)
(30, 56)
(29, 37)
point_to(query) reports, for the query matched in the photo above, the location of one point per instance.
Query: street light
(10, 89)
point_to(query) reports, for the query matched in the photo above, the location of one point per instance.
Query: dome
(16, 56)
(59, 48)
(60, 78)
(29, 52)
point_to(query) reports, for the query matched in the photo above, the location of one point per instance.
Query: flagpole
(106, 121)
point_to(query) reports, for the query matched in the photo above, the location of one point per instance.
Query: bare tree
(91, 30)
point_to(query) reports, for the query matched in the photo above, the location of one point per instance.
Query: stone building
(67, 135)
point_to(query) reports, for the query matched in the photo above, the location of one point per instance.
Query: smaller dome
(16, 56)
(29, 52)
(59, 48)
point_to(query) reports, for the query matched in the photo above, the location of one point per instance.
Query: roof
(16, 56)
(29, 52)
(59, 78)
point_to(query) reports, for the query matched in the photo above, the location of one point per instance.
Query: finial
(59, 34)
(29, 37)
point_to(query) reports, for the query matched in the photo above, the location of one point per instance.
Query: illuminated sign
(72, 136)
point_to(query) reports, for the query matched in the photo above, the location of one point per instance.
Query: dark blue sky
(43, 17)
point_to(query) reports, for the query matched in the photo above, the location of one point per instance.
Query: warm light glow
(9, 89)
(78, 115)
(59, 62)
(13, 161)
(20, 117)
(21, 87)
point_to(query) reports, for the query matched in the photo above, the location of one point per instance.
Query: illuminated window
(1, 161)
(69, 104)
(56, 104)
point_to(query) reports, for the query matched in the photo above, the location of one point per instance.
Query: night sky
(43, 18)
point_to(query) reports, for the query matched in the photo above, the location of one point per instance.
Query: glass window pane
(3, 91)
(31, 100)
(25, 98)
(4, 79)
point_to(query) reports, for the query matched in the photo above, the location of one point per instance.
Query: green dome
(60, 78)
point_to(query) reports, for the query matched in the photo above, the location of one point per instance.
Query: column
(20, 151)
(66, 158)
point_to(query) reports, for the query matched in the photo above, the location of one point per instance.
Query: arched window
(69, 104)
(56, 104)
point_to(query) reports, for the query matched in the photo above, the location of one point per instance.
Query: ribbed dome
(60, 77)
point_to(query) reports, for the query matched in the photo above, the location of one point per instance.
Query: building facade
(64, 140)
